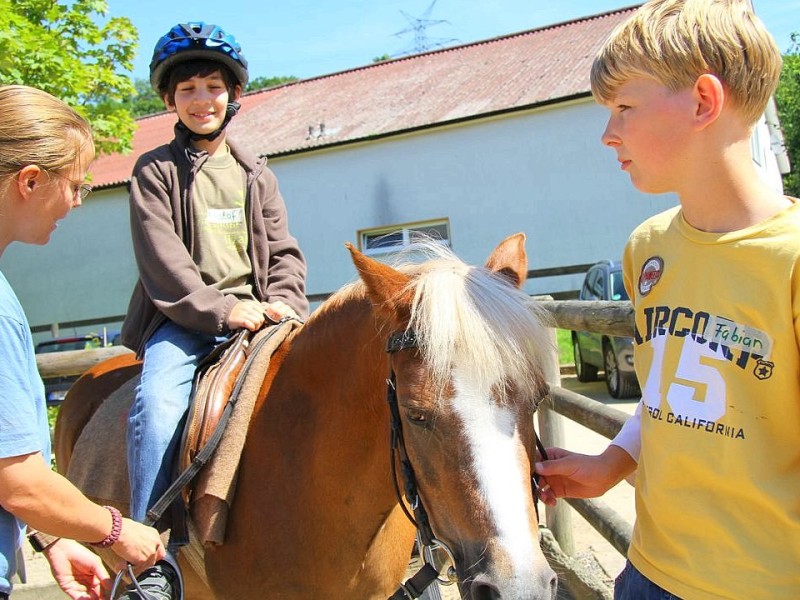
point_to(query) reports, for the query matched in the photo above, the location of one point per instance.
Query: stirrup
(178, 585)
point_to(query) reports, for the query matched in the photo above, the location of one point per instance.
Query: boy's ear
(710, 97)
(167, 104)
(237, 93)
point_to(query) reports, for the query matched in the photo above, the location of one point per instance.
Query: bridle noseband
(414, 587)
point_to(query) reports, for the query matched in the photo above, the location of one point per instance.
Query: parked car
(597, 351)
(55, 388)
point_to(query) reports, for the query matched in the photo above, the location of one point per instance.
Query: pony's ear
(387, 287)
(510, 260)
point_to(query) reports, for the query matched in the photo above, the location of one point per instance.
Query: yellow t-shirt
(716, 352)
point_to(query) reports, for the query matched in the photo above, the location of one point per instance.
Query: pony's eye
(415, 415)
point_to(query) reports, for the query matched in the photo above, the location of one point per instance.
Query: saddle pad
(103, 475)
(216, 483)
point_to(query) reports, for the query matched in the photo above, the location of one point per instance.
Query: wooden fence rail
(74, 362)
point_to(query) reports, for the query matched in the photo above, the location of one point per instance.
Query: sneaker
(163, 581)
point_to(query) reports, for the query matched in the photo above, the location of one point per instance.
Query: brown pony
(315, 513)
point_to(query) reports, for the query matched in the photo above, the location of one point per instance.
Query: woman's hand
(78, 571)
(139, 545)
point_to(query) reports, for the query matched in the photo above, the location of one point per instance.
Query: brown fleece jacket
(170, 285)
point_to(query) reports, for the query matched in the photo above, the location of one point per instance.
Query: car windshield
(617, 287)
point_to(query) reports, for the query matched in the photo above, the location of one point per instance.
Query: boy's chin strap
(230, 112)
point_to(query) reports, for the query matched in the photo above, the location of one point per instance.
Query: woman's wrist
(116, 529)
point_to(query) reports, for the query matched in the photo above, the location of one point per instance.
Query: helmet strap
(230, 111)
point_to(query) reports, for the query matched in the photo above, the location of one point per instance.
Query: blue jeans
(158, 412)
(632, 585)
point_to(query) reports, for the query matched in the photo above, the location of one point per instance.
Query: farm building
(474, 143)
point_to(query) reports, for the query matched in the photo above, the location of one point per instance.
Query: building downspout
(776, 141)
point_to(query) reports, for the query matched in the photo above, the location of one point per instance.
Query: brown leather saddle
(214, 381)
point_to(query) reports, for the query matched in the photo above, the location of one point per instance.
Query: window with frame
(393, 238)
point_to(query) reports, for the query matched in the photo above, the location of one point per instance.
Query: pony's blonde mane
(472, 318)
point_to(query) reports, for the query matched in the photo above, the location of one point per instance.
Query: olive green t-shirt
(220, 228)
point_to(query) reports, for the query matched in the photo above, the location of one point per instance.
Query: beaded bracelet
(116, 529)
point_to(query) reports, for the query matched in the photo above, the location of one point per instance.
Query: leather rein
(416, 585)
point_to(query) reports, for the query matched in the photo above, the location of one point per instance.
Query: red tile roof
(504, 74)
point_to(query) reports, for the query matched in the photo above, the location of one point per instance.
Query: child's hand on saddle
(246, 314)
(275, 311)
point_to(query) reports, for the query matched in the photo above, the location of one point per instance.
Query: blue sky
(307, 38)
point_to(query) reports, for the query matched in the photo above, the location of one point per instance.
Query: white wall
(545, 173)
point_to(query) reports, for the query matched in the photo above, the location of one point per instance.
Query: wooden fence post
(551, 432)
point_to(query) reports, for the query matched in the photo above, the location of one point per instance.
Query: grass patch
(564, 338)
(52, 415)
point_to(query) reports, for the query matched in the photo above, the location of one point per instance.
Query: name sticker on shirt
(224, 216)
(735, 335)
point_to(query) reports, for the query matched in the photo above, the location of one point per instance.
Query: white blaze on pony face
(496, 450)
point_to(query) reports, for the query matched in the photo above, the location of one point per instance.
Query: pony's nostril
(554, 587)
(485, 591)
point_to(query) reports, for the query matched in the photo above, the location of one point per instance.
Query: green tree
(60, 46)
(259, 83)
(145, 100)
(787, 99)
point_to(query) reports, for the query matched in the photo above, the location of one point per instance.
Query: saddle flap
(214, 381)
(212, 491)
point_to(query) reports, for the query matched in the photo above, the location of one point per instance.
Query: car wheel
(583, 370)
(619, 384)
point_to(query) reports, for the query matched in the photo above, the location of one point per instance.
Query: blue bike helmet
(190, 41)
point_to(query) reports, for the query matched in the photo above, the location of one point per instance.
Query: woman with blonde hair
(45, 152)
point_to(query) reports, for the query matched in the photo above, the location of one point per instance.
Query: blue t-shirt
(23, 413)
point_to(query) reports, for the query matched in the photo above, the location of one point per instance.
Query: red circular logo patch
(651, 273)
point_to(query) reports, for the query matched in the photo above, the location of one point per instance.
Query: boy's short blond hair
(676, 41)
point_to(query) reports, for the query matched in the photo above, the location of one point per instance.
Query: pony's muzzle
(483, 588)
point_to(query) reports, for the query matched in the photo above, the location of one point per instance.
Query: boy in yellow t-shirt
(715, 284)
